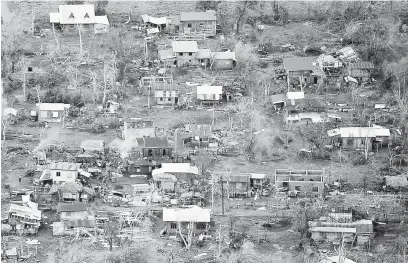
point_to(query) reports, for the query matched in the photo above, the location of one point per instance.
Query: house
(204, 57)
(141, 167)
(200, 136)
(68, 191)
(301, 72)
(71, 18)
(396, 181)
(223, 60)
(36, 67)
(167, 57)
(278, 101)
(360, 70)
(358, 138)
(155, 147)
(328, 63)
(74, 227)
(209, 94)
(238, 185)
(300, 182)
(337, 259)
(98, 146)
(165, 182)
(52, 112)
(185, 52)
(26, 216)
(64, 172)
(177, 220)
(148, 85)
(257, 180)
(198, 22)
(359, 231)
(347, 54)
(166, 97)
(184, 172)
(136, 128)
(72, 211)
(311, 105)
(154, 22)
(136, 185)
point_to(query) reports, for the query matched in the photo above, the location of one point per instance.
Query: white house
(209, 94)
(74, 17)
(52, 112)
(64, 172)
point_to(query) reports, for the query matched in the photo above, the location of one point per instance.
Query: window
(86, 26)
(55, 114)
(86, 15)
(68, 213)
(190, 54)
(169, 99)
(161, 99)
(201, 24)
(30, 69)
(297, 188)
(189, 25)
(72, 26)
(214, 96)
(315, 189)
(180, 54)
(71, 15)
(173, 226)
(137, 169)
(150, 168)
(58, 174)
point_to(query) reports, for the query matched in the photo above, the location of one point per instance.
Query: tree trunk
(32, 23)
(80, 40)
(56, 38)
(24, 86)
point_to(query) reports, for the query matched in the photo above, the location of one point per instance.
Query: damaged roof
(184, 46)
(198, 16)
(359, 132)
(65, 166)
(362, 65)
(25, 211)
(154, 20)
(80, 223)
(52, 106)
(203, 53)
(228, 55)
(193, 214)
(298, 64)
(153, 142)
(238, 178)
(72, 207)
(166, 54)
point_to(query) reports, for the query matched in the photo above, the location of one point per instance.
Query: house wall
(356, 143)
(223, 64)
(73, 29)
(156, 152)
(65, 176)
(45, 115)
(140, 170)
(237, 188)
(101, 29)
(163, 97)
(302, 186)
(304, 75)
(73, 215)
(185, 59)
(359, 73)
(215, 97)
(208, 27)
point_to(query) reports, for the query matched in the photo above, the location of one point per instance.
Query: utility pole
(222, 194)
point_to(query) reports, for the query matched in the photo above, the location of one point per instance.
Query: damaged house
(185, 52)
(360, 70)
(183, 172)
(198, 23)
(94, 146)
(154, 22)
(300, 182)
(136, 128)
(199, 136)
(72, 211)
(223, 60)
(64, 172)
(301, 72)
(52, 112)
(148, 85)
(335, 228)
(304, 111)
(243, 184)
(166, 97)
(72, 18)
(359, 138)
(155, 147)
(209, 94)
(178, 220)
(27, 217)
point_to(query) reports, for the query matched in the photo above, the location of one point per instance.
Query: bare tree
(23, 65)
(111, 232)
(316, 134)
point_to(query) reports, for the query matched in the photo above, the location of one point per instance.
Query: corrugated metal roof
(209, 89)
(198, 16)
(298, 64)
(184, 46)
(278, 98)
(82, 14)
(203, 53)
(65, 166)
(362, 65)
(103, 20)
(154, 20)
(153, 142)
(223, 55)
(172, 168)
(163, 177)
(194, 214)
(238, 178)
(53, 106)
(166, 54)
(72, 207)
(80, 223)
(359, 132)
(25, 211)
